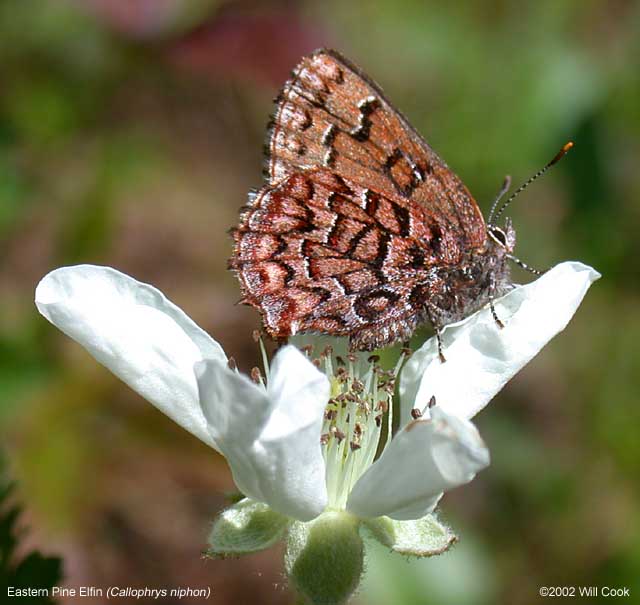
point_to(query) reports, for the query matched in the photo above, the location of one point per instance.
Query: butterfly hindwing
(320, 253)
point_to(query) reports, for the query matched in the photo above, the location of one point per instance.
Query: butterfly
(361, 230)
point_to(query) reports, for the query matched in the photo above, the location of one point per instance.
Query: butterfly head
(505, 237)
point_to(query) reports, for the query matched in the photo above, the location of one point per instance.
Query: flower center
(354, 420)
(358, 414)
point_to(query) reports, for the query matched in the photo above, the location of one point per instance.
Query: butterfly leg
(437, 328)
(439, 338)
(495, 315)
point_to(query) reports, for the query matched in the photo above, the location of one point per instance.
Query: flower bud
(325, 557)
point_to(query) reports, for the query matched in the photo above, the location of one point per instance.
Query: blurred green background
(130, 133)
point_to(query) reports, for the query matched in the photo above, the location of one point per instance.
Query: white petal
(133, 330)
(423, 460)
(481, 357)
(271, 439)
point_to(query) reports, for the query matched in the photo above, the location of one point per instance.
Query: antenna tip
(561, 153)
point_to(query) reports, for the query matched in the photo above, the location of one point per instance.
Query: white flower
(302, 446)
(271, 435)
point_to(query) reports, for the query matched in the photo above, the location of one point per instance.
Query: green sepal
(244, 528)
(324, 558)
(423, 537)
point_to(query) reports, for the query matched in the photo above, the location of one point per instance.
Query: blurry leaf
(22, 364)
(34, 570)
(41, 109)
(13, 193)
(88, 231)
(592, 194)
(55, 30)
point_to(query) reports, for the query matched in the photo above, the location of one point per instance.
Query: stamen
(330, 414)
(338, 434)
(361, 393)
(265, 358)
(431, 404)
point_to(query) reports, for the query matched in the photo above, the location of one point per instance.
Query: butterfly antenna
(505, 187)
(522, 187)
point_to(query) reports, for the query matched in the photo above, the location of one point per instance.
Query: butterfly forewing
(331, 115)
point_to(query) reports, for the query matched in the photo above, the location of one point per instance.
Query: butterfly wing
(360, 219)
(320, 253)
(331, 115)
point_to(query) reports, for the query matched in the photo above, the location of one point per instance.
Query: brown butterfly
(362, 230)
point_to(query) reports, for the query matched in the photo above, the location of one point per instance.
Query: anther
(416, 413)
(330, 414)
(432, 402)
(231, 364)
(256, 336)
(341, 374)
(256, 376)
(337, 433)
(357, 386)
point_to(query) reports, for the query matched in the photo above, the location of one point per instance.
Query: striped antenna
(495, 215)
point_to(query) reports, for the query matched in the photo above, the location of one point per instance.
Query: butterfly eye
(499, 235)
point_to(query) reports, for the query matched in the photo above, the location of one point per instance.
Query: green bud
(325, 558)
(244, 528)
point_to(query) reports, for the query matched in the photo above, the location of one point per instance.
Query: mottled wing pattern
(321, 253)
(331, 115)
(358, 215)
